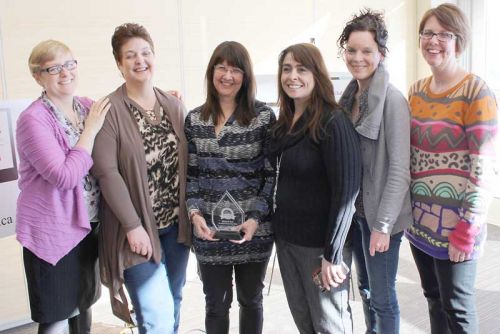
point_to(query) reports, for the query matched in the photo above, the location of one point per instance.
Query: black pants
(79, 324)
(449, 290)
(218, 289)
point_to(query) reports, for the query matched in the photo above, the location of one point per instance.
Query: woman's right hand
(200, 228)
(139, 242)
(96, 115)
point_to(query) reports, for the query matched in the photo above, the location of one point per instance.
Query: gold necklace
(150, 113)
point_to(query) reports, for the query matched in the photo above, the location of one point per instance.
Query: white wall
(185, 33)
(267, 27)
(86, 26)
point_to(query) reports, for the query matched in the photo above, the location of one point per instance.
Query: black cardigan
(318, 184)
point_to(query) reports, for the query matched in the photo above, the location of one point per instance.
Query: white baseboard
(15, 323)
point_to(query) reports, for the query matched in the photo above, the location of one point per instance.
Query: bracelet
(193, 213)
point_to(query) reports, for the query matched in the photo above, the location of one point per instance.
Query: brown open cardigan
(120, 167)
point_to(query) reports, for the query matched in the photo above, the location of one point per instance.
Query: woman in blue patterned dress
(226, 139)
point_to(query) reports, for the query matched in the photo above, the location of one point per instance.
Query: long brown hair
(322, 98)
(235, 55)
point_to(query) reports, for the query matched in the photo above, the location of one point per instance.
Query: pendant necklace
(278, 166)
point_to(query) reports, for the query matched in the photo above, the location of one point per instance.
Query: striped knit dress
(233, 161)
(453, 137)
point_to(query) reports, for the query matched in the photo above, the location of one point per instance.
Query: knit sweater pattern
(52, 216)
(453, 136)
(318, 183)
(232, 161)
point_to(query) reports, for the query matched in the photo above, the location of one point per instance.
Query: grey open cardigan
(384, 132)
(120, 166)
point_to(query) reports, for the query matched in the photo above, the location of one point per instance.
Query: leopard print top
(160, 147)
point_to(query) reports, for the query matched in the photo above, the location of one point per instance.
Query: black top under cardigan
(317, 186)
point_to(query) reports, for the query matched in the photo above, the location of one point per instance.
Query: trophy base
(228, 235)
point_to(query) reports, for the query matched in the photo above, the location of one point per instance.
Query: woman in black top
(317, 157)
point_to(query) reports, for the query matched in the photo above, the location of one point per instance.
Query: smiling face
(136, 61)
(439, 55)
(62, 85)
(227, 80)
(362, 56)
(296, 80)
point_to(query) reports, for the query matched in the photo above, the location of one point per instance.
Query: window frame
(475, 58)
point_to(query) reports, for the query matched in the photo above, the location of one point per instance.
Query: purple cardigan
(51, 212)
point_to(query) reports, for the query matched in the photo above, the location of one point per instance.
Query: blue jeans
(313, 311)
(381, 270)
(156, 289)
(449, 290)
(355, 245)
(149, 290)
(175, 259)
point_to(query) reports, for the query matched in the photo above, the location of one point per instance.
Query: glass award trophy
(227, 215)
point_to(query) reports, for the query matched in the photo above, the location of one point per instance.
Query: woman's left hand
(331, 275)
(248, 228)
(379, 242)
(456, 255)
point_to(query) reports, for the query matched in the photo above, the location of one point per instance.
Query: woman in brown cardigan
(140, 161)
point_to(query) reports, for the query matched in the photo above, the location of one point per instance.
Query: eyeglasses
(441, 36)
(224, 69)
(56, 69)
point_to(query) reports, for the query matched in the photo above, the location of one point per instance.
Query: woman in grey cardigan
(381, 118)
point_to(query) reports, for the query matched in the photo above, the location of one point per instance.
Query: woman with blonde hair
(57, 209)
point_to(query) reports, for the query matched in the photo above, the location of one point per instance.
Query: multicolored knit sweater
(453, 136)
(232, 161)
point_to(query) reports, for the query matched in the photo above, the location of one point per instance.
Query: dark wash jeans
(218, 289)
(377, 279)
(449, 289)
(355, 245)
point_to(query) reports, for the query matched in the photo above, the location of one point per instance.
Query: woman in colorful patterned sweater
(226, 137)
(454, 125)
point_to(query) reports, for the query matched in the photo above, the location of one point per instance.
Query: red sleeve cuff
(464, 235)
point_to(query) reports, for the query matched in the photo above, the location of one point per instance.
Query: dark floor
(414, 318)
